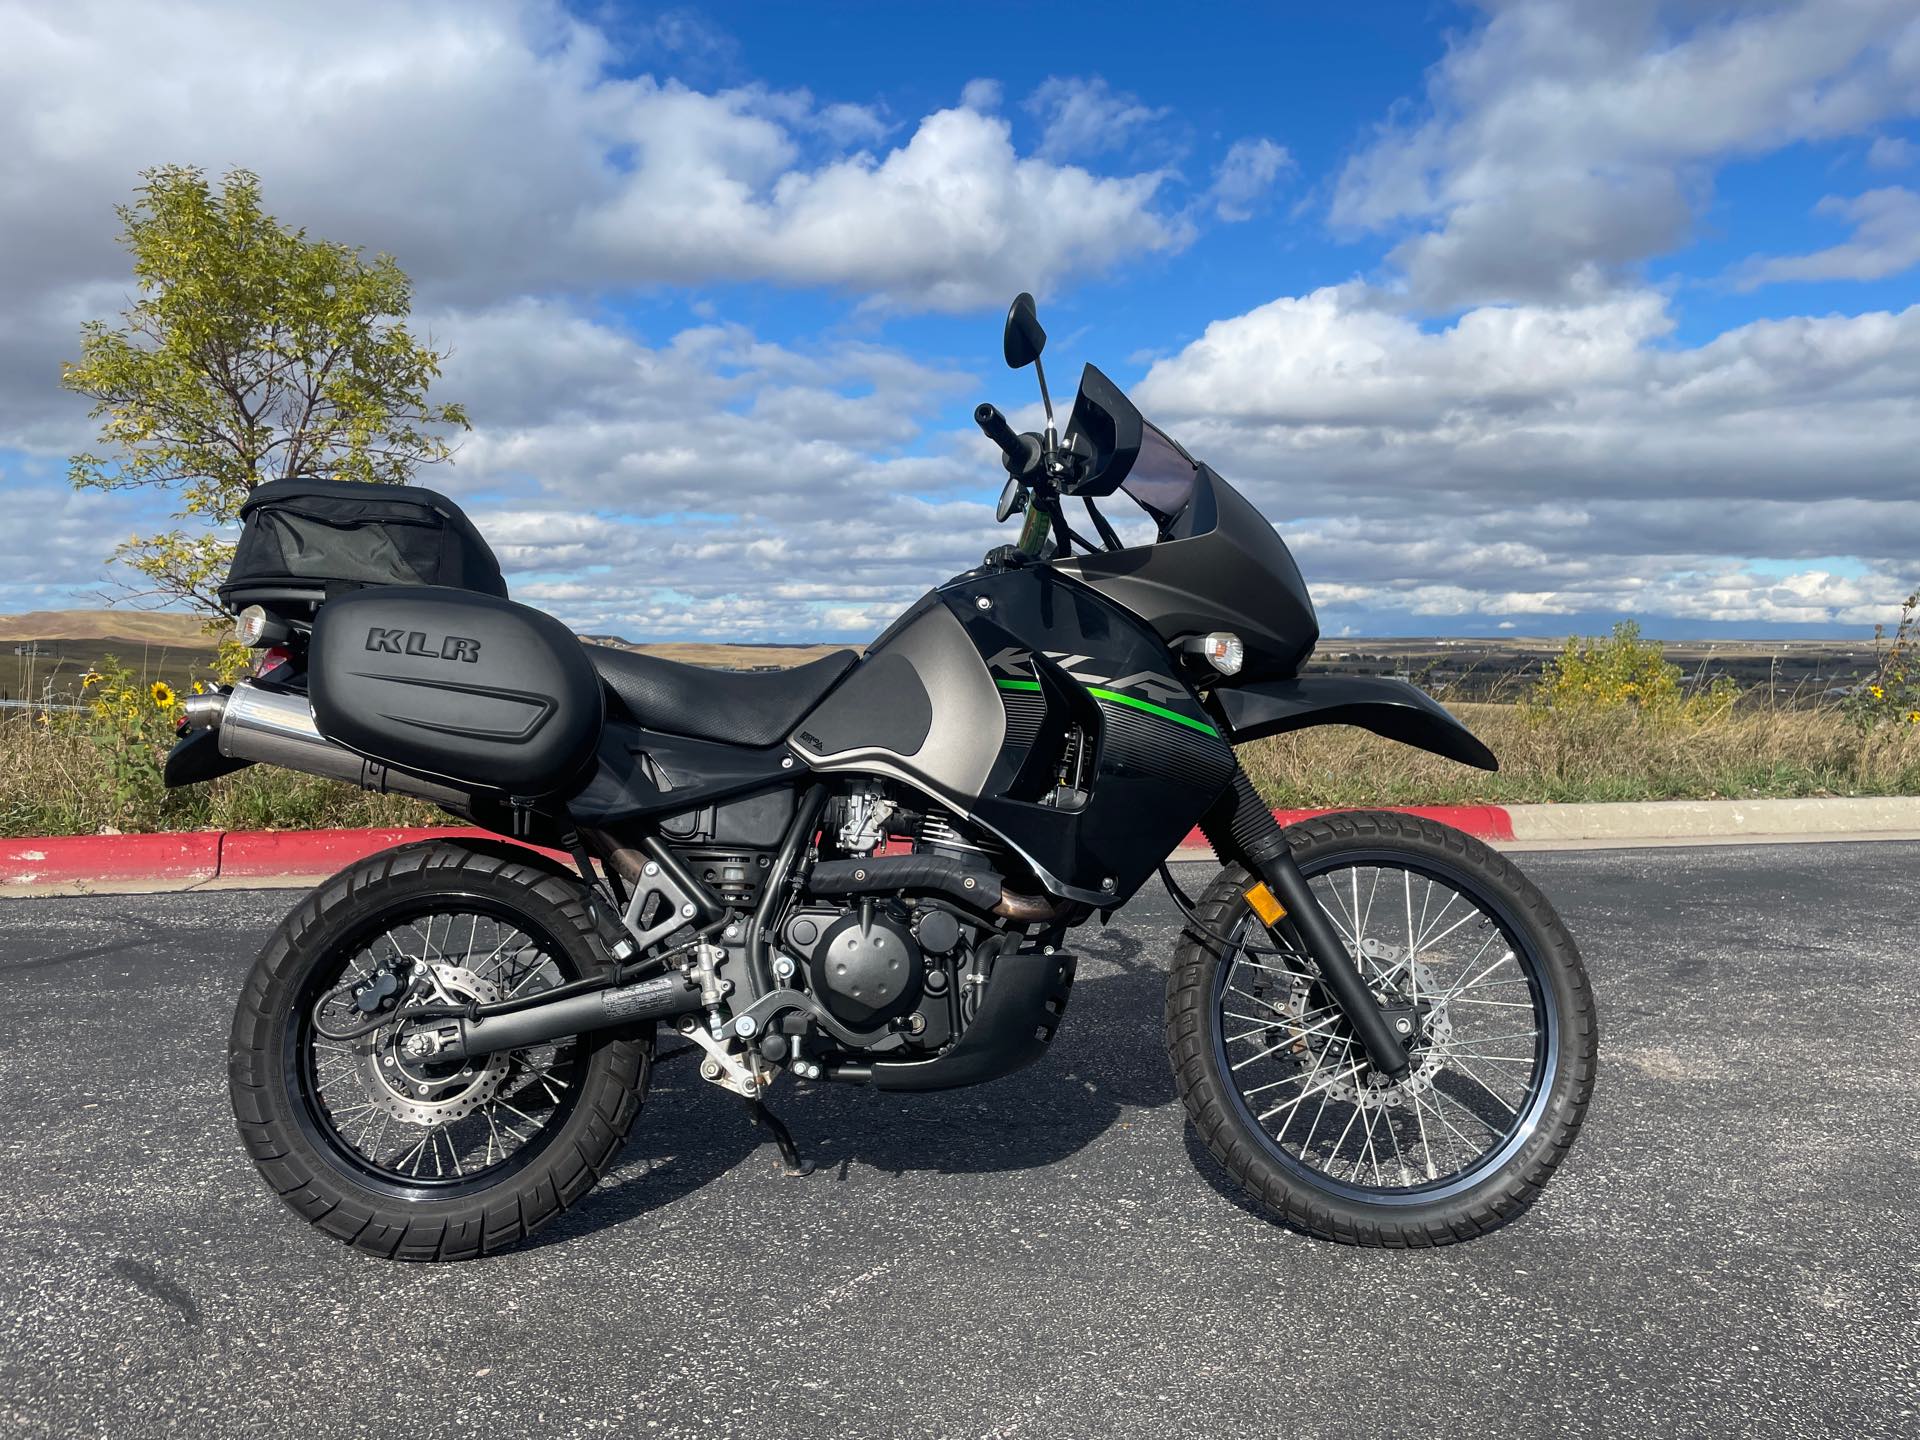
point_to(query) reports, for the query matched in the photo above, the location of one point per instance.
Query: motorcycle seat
(737, 707)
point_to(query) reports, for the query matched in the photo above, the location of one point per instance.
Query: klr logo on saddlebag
(415, 642)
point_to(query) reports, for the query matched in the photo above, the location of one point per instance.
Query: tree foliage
(249, 354)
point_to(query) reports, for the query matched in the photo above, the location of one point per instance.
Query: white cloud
(1244, 176)
(500, 148)
(1087, 116)
(1547, 459)
(713, 484)
(1886, 240)
(1565, 141)
(1891, 152)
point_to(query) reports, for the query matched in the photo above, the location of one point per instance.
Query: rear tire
(303, 1156)
(1286, 1184)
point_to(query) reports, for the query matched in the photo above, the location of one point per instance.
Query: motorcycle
(865, 870)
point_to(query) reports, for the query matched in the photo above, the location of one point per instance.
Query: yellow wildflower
(91, 679)
(1876, 692)
(162, 694)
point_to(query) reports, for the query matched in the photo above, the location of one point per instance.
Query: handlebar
(1022, 452)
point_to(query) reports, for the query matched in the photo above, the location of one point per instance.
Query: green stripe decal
(1152, 709)
(1118, 699)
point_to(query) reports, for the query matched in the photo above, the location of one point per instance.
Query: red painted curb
(75, 859)
(194, 856)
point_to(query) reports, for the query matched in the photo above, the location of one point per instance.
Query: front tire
(306, 1103)
(1400, 1178)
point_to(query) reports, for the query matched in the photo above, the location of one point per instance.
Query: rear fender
(196, 757)
(1390, 708)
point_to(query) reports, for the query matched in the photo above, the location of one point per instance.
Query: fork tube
(1241, 826)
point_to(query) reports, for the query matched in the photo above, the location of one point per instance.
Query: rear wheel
(1464, 956)
(411, 1159)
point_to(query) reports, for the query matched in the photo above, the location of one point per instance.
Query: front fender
(1391, 708)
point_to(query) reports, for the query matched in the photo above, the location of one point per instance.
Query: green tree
(250, 354)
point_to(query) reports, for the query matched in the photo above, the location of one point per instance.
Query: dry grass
(1752, 753)
(57, 781)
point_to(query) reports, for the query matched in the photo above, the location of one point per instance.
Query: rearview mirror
(1024, 339)
(1013, 499)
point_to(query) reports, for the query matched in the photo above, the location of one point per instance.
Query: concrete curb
(127, 864)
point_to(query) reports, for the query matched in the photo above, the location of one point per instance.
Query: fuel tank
(1044, 712)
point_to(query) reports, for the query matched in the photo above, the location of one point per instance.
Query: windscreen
(1160, 480)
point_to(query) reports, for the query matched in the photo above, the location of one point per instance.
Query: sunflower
(91, 679)
(162, 694)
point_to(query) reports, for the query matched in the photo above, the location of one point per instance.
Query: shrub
(1891, 696)
(1622, 673)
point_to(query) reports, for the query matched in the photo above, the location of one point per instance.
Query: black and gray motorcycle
(865, 870)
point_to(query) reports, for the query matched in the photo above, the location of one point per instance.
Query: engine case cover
(455, 684)
(868, 972)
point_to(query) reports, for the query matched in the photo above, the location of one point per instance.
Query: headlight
(1224, 651)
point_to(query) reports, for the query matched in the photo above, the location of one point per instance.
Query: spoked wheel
(1467, 960)
(419, 1125)
(413, 1158)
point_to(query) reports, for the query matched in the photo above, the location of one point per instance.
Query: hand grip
(995, 427)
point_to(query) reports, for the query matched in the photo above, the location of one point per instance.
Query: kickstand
(789, 1152)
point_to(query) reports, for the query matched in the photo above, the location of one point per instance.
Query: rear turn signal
(254, 627)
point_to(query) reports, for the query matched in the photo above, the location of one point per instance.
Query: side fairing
(1002, 685)
(1065, 659)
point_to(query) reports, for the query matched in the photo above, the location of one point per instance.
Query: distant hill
(142, 627)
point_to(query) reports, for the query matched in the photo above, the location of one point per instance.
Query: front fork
(1240, 826)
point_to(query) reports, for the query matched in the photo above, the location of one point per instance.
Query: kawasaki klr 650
(866, 870)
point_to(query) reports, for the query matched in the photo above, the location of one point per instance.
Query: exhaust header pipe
(271, 727)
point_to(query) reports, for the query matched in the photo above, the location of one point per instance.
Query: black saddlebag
(303, 540)
(456, 685)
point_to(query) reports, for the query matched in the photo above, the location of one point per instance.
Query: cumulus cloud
(1886, 240)
(715, 483)
(1244, 176)
(1559, 459)
(1563, 142)
(501, 148)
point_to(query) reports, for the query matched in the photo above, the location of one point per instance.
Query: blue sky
(1515, 318)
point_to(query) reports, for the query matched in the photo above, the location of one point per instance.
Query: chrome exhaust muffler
(273, 727)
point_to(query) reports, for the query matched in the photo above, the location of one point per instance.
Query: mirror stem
(1046, 400)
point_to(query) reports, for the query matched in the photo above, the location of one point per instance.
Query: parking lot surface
(1734, 1247)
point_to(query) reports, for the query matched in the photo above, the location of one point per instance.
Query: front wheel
(1463, 955)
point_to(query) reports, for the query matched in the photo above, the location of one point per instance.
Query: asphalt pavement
(1733, 1248)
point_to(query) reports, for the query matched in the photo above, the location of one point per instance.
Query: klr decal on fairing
(1018, 664)
(1015, 661)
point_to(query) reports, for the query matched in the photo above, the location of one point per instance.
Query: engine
(899, 964)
